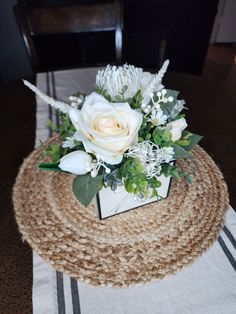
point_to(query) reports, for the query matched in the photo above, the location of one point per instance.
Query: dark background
(184, 26)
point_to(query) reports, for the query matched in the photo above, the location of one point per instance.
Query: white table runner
(206, 287)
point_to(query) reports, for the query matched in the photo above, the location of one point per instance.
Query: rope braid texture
(132, 248)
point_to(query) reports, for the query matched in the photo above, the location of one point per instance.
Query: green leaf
(167, 136)
(165, 169)
(168, 107)
(183, 142)
(103, 92)
(129, 186)
(194, 139)
(180, 152)
(148, 136)
(85, 187)
(156, 137)
(54, 150)
(173, 93)
(51, 166)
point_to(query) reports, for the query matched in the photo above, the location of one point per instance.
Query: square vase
(110, 203)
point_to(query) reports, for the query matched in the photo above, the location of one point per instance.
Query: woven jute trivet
(135, 247)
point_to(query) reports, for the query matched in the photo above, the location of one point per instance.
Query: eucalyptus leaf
(85, 187)
(173, 93)
(157, 136)
(168, 107)
(180, 152)
(194, 139)
(129, 186)
(167, 136)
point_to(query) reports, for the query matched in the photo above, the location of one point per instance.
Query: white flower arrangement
(128, 131)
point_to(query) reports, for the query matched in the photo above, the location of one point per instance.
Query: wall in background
(224, 30)
(14, 62)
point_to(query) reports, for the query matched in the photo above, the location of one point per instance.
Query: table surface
(211, 99)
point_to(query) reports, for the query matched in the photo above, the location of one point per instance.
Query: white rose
(106, 129)
(77, 162)
(176, 128)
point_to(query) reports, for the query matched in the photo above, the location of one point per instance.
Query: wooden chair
(74, 19)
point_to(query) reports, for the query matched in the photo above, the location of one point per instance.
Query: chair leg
(118, 30)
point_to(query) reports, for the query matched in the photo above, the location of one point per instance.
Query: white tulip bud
(77, 162)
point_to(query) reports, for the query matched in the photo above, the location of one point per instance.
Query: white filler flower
(158, 117)
(123, 81)
(151, 156)
(69, 142)
(106, 129)
(166, 154)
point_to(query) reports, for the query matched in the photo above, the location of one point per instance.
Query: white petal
(146, 79)
(74, 117)
(176, 128)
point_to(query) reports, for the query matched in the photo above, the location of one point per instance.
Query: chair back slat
(96, 18)
(72, 19)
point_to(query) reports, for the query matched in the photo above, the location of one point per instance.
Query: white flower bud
(176, 128)
(76, 162)
(94, 173)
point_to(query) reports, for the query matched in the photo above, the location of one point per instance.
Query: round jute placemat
(135, 247)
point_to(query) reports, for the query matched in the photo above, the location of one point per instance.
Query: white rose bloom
(106, 129)
(176, 128)
(77, 162)
(117, 81)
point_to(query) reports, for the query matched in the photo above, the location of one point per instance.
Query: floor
(211, 99)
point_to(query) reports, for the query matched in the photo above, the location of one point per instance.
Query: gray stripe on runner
(227, 252)
(75, 296)
(55, 97)
(59, 276)
(60, 293)
(73, 282)
(230, 236)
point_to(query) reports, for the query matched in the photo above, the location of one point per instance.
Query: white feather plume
(63, 107)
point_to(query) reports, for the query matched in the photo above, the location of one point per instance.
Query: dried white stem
(162, 71)
(63, 107)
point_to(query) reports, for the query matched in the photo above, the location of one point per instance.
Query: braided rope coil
(136, 247)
